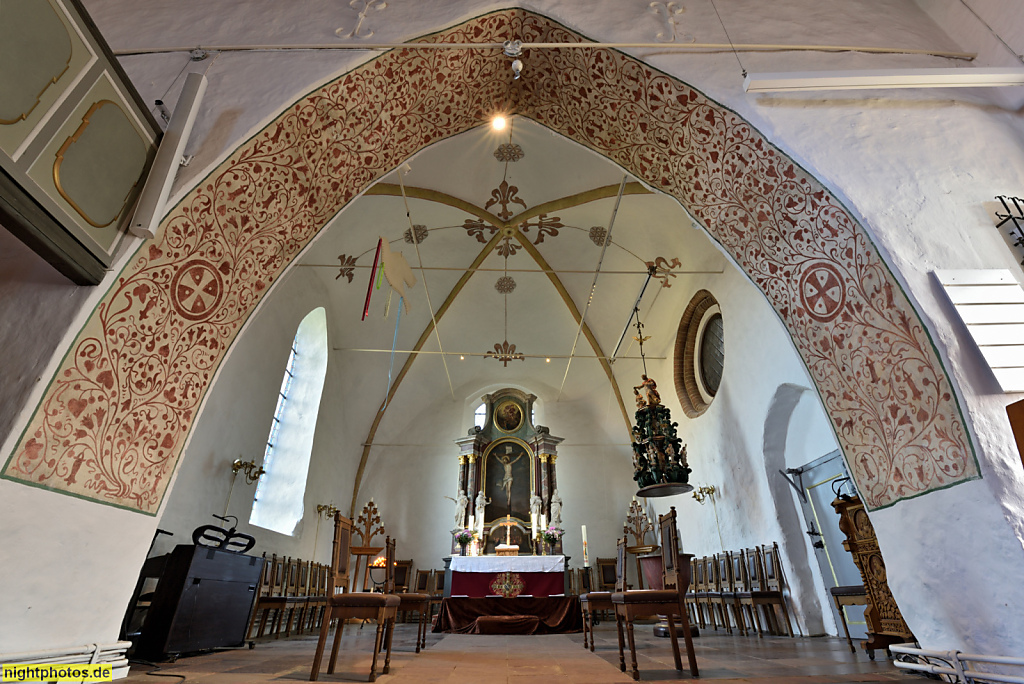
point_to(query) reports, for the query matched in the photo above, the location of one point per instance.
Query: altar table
(472, 576)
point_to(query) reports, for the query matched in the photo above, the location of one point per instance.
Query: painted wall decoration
(113, 421)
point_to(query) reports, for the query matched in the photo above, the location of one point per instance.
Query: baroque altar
(508, 487)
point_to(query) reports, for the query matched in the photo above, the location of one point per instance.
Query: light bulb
(498, 123)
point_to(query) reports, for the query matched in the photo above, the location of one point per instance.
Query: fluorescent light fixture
(796, 81)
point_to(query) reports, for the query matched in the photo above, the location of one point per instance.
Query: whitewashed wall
(725, 445)
(916, 167)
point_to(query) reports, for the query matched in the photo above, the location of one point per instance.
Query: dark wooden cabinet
(203, 601)
(885, 623)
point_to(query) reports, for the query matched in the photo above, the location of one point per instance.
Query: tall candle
(586, 558)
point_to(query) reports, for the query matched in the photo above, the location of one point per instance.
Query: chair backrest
(403, 575)
(265, 576)
(423, 581)
(755, 571)
(700, 577)
(620, 565)
(278, 578)
(341, 547)
(302, 589)
(740, 578)
(714, 582)
(669, 549)
(724, 571)
(772, 567)
(437, 585)
(606, 574)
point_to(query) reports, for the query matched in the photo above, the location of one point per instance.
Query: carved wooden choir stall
(885, 623)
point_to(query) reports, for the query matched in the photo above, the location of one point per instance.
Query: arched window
(279, 493)
(480, 416)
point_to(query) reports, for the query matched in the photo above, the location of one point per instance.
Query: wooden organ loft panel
(76, 141)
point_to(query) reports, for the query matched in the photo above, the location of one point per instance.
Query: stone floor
(556, 659)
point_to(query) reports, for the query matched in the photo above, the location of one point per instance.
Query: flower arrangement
(551, 535)
(464, 537)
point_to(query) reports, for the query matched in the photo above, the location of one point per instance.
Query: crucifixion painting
(507, 480)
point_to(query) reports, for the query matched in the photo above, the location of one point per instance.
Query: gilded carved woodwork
(885, 622)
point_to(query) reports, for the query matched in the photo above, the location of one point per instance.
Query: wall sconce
(329, 509)
(702, 493)
(321, 509)
(252, 473)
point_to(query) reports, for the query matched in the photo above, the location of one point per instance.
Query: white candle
(543, 521)
(586, 558)
(533, 524)
(472, 522)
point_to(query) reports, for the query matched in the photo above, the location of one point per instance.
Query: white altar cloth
(507, 564)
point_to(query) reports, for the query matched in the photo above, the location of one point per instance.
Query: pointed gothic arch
(114, 419)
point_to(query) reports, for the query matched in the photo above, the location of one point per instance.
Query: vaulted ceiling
(513, 224)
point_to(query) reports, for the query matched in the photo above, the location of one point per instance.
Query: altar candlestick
(586, 558)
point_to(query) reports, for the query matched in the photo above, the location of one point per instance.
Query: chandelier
(659, 455)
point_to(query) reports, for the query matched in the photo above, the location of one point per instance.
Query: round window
(699, 354)
(712, 354)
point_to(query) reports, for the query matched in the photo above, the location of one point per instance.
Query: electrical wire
(593, 285)
(430, 307)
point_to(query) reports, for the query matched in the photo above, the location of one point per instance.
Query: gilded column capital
(462, 459)
(552, 458)
(472, 458)
(543, 458)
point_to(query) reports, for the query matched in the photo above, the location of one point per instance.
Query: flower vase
(462, 549)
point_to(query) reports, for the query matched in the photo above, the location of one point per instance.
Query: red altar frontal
(507, 576)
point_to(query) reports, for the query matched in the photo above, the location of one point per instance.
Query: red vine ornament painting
(112, 424)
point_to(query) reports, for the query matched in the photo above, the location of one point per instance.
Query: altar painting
(508, 480)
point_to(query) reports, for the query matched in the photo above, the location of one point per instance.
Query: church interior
(455, 335)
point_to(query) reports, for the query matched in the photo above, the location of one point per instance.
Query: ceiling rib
(368, 442)
(392, 190)
(605, 192)
(423, 278)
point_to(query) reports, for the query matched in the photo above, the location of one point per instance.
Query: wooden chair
(752, 584)
(381, 607)
(403, 575)
(738, 587)
(669, 601)
(724, 596)
(275, 599)
(264, 592)
(593, 601)
(714, 593)
(416, 602)
(317, 596)
(771, 592)
(297, 594)
(851, 595)
(701, 587)
(606, 574)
